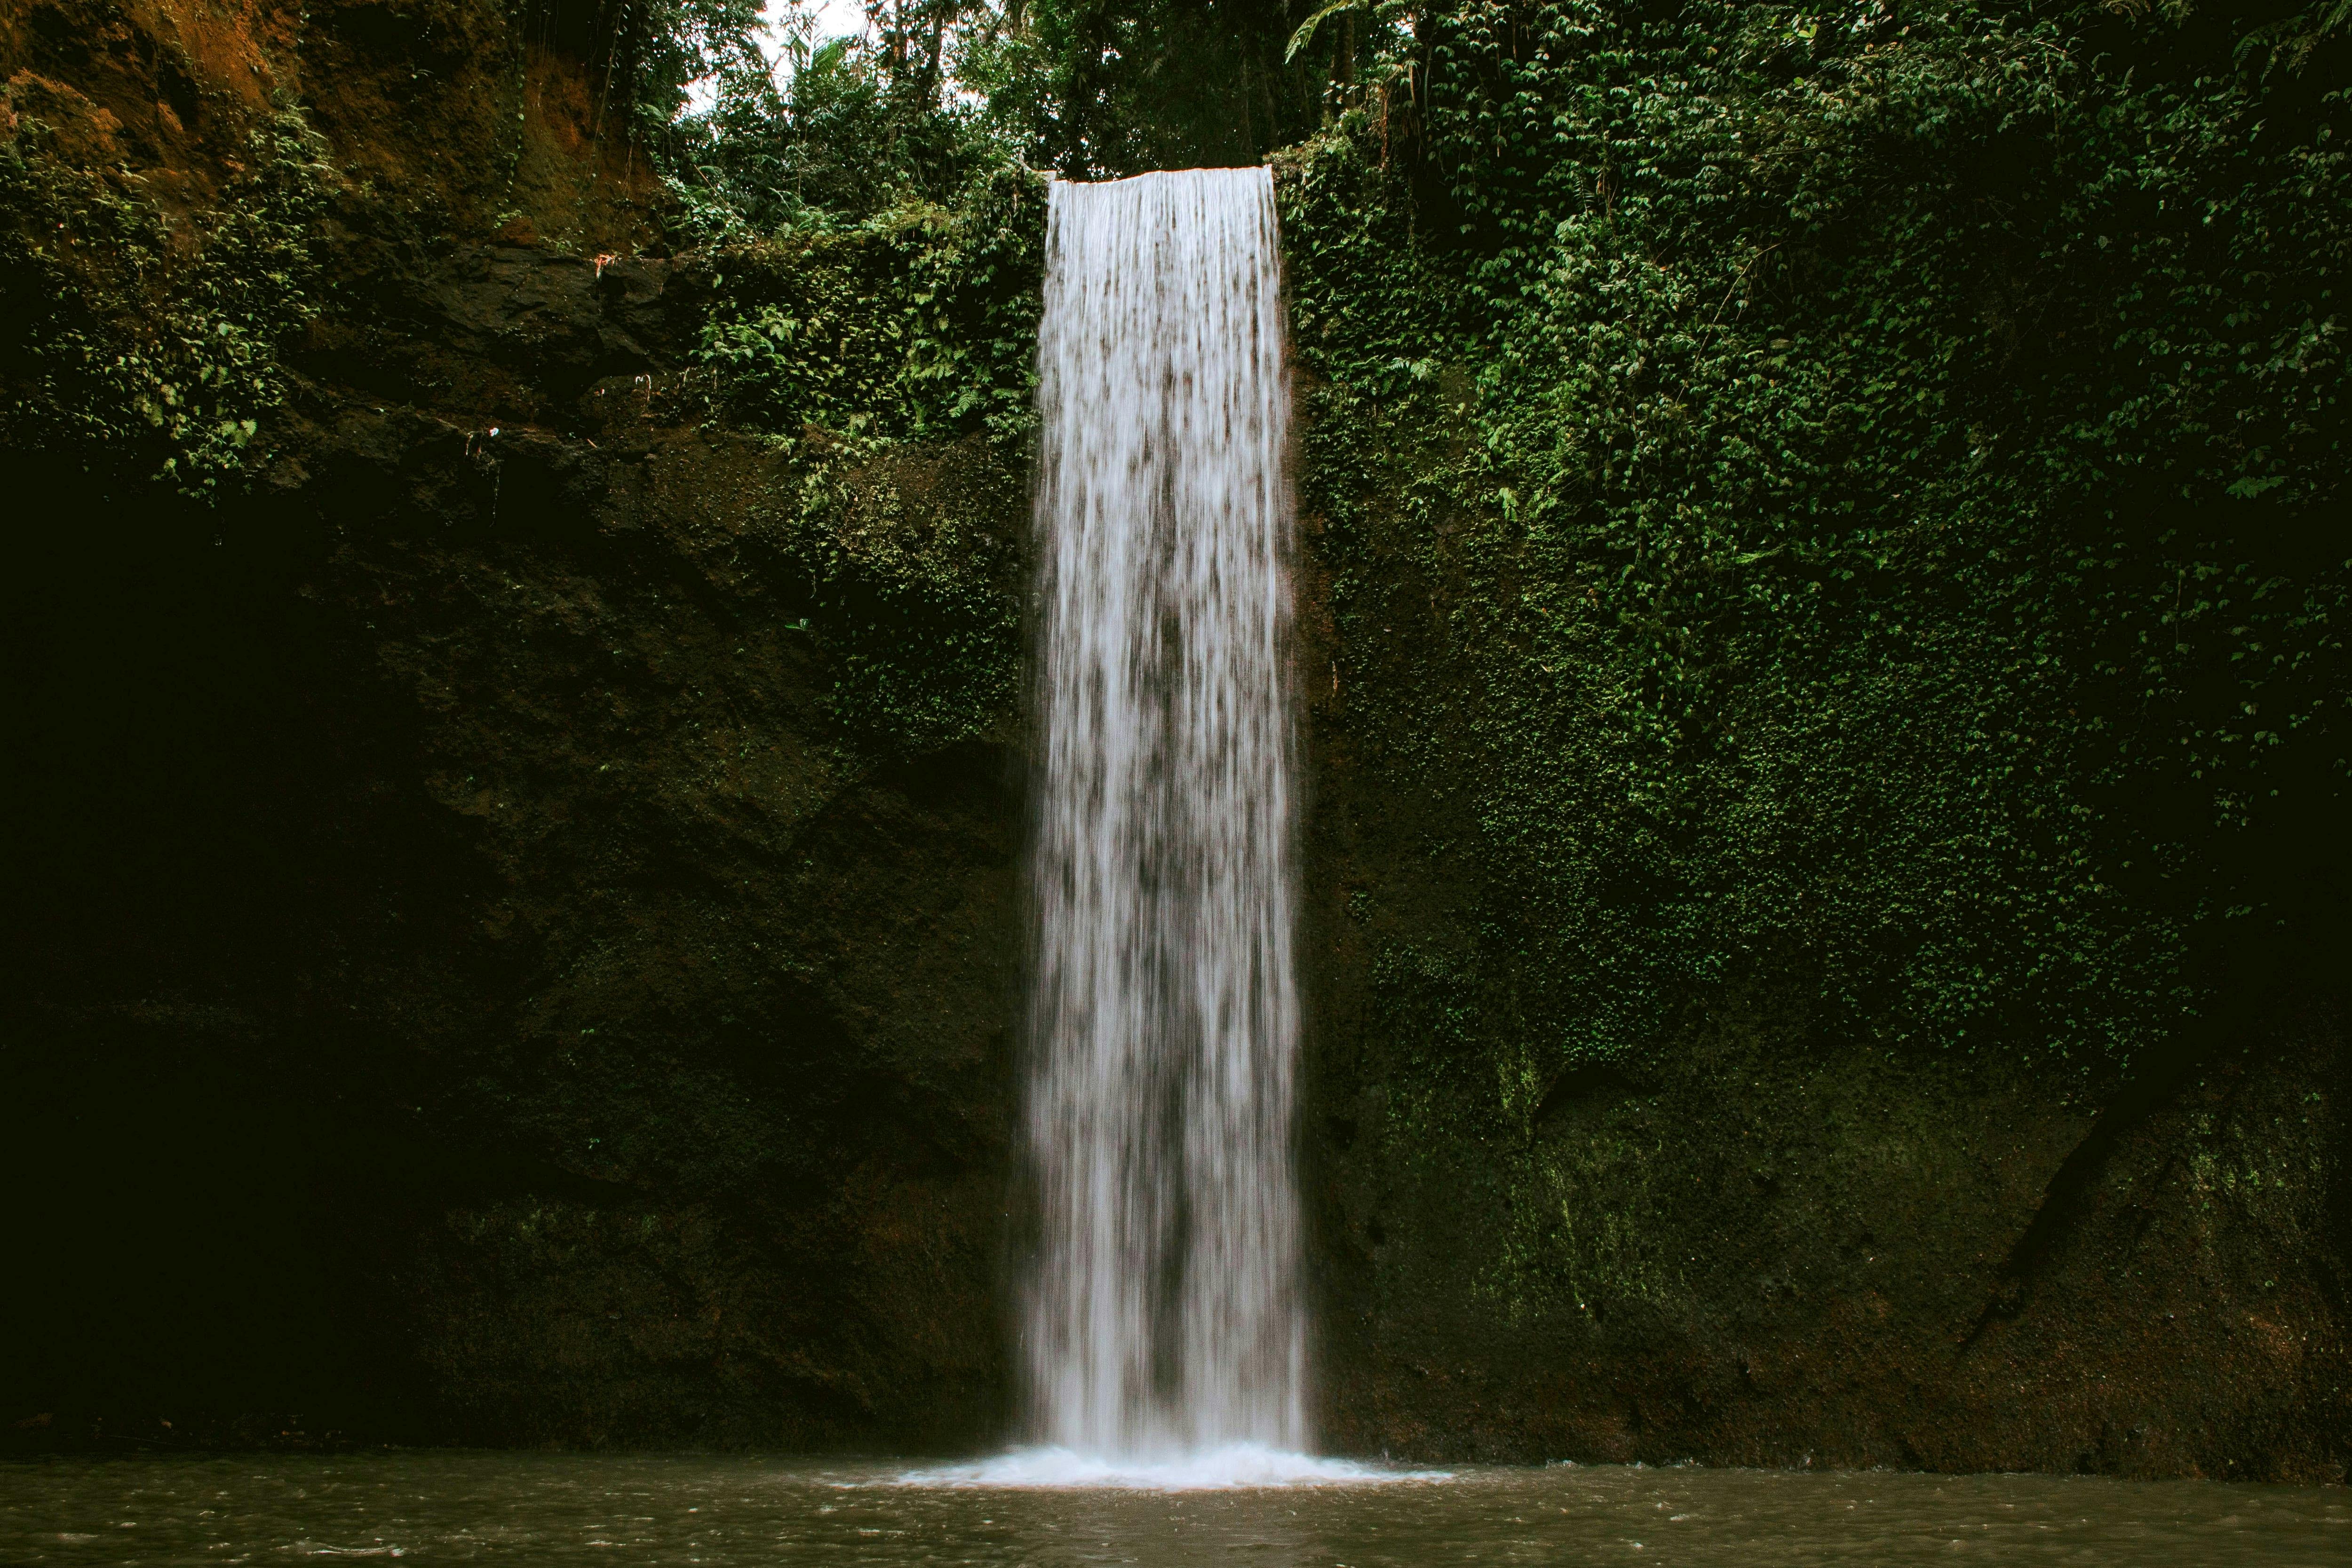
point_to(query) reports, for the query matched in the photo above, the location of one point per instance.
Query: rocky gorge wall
(474, 975)
(459, 988)
(1761, 1241)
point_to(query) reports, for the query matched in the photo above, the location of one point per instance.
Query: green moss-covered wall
(1825, 674)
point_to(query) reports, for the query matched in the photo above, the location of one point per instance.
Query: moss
(1590, 1232)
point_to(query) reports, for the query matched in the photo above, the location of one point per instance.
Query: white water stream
(1161, 1316)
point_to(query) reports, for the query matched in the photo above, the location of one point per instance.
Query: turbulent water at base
(1162, 1308)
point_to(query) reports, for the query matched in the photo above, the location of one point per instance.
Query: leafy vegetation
(1851, 494)
(936, 89)
(842, 136)
(1841, 492)
(1100, 89)
(880, 238)
(1847, 491)
(895, 356)
(878, 267)
(152, 350)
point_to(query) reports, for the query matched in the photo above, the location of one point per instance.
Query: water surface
(564, 1509)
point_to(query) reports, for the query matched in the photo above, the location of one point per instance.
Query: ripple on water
(1040, 1508)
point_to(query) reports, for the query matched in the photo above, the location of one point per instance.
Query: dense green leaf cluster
(1098, 88)
(895, 356)
(1863, 486)
(153, 351)
(838, 139)
(806, 129)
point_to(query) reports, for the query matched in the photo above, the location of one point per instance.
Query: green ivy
(896, 358)
(135, 347)
(1846, 493)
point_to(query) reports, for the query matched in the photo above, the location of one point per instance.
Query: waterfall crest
(1161, 1311)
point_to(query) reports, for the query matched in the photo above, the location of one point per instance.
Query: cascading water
(1162, 1312)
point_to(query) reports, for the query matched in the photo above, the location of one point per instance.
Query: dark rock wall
(459, 986)
(464, 818)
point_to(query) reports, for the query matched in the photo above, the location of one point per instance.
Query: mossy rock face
(182, 184)
(562, 839)
(1766, 1251)
(1760, 1237)
(529, 975)
(1757, 1240)
(493, 783)
(1783, 937)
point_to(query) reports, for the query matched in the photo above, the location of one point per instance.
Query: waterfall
(1162, 1312)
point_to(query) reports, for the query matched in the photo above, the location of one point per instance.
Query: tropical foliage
(1865, 485)
(1846, 492)
(121, 344)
